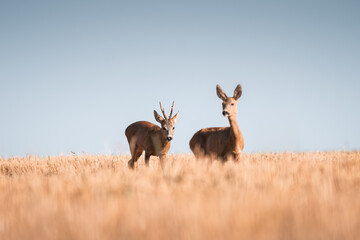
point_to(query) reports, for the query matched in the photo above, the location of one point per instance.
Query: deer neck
(160, 144)
(162, 138)
(234, 128)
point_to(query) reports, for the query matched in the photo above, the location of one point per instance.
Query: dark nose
(169, 138)
(225, 113)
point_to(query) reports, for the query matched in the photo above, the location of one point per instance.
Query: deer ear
(237, 92)
(174, 118)
(158, 118)
(220, 93)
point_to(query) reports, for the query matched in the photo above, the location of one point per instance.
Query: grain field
(263, 196)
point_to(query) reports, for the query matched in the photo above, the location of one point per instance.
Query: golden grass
(264, 196)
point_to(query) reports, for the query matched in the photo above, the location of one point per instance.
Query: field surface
(263, 196)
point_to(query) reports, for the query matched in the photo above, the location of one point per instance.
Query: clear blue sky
(75, 74)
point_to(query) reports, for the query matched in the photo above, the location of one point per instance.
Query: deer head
(229, 103)
(167, 124)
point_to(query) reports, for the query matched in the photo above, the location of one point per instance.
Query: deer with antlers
(221, 142)
(154, 140)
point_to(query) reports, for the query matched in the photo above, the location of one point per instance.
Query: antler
(163, 111)
(171, 112)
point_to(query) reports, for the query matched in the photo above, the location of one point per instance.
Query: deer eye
(164, 129)
(232, 104)
(173, 128)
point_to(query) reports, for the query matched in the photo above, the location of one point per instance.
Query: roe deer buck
(221, 142)
(154, 140)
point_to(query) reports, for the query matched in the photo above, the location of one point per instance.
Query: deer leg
(199, 152)
(236, 157)
(131, 161)
(147, 158)
(135, 154)
(225, 157)
(162, 158)
(132, 146)
(197, 146)
(138, 153)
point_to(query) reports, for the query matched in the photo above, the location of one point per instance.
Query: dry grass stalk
(263, 196)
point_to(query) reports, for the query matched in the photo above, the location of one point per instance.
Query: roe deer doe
(221, 142)
(147, 136)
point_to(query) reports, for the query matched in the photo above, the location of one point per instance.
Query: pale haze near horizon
(74, 75)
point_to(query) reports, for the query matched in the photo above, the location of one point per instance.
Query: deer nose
(169, 138)
(225, 113)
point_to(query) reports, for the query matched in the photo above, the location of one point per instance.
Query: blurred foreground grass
(263, 196)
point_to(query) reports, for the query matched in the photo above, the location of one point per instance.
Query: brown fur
(220, 142)
(145, 136)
